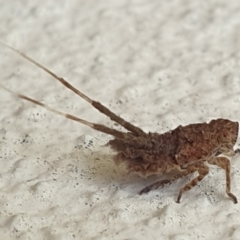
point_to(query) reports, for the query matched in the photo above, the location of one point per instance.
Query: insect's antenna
(95, 126)
(130, 127)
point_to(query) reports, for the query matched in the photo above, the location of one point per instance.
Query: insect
(186, 148)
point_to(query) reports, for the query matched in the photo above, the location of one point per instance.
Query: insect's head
(226, 132)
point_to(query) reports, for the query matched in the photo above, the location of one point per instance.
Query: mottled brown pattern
(186, 148)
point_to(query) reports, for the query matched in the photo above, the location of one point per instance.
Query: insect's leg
(156, 185)
(203, 171)
(161, 183)
(224, 163)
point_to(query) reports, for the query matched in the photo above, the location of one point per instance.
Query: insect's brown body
(186, 148)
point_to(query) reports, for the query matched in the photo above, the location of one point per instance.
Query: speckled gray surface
(158, 64)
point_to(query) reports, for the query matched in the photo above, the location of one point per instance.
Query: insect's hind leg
(203, 171)
(161, 183)
(224, 163)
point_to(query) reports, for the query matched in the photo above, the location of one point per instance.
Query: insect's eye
(218, 153)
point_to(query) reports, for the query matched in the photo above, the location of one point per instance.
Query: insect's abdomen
(147, 156)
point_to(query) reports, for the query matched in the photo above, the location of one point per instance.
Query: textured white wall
(158, 64)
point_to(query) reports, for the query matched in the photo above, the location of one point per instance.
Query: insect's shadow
(98, 164)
